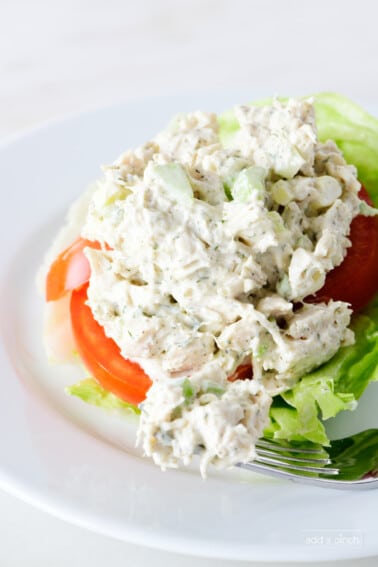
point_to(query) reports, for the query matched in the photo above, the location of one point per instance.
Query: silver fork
(349, 463)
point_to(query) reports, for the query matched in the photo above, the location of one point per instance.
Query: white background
(59, 57)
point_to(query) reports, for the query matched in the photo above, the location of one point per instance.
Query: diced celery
(249, 182)
(212, 388)
(277, 221)
(174, 179)
(188, 390)
(282, 192)
(283, 287)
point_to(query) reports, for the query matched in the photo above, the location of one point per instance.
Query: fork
(348, 463)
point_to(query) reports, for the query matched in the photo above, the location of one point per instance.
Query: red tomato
(243, 372)
(102, 356)
(70, 270)
(103, 359)
(356, 279)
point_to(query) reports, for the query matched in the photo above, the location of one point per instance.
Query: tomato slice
(70, 269)
(356, 279)
(243, 372)
(102, 356)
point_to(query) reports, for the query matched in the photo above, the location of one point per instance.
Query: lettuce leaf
(356, 133)
(92, 393)
(354, 130)
(297, 414)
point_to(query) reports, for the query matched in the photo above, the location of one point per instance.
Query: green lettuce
(92, 393)
(298, 414)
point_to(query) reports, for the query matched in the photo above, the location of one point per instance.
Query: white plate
(56, 452)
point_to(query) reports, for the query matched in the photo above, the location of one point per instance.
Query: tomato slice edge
(355, 280)
(102, 356)
(69, 270)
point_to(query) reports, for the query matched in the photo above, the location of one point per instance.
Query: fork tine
(279, 464)
(304, 460)
(323, 481)
(275, 446)
(349, 463)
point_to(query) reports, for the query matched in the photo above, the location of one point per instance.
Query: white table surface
(59, 57)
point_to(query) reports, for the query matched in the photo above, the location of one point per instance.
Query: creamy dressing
(213, 252)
